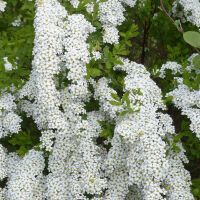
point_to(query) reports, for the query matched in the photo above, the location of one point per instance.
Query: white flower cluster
(2, 5)
(111, 15)
(77, 30)
(135, 166)
(3, 159)
(185, 98)
(137, 157)
(16, 22)
(41, 86)
(173, 66)
(178, 180)
(103, 94)
(191, 10)
(9, 120)
(25, 179)
(96, 55)
(8, 66)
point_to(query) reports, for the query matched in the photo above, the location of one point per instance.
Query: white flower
(2, 5)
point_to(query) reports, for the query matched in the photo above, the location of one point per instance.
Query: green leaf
(168, 99)
(123, 113)
(115, 103)
(95, 10)
(175, 148)
(94, 72)
(192, 38)
(22, 150)
(125, 96)
(115, 96)
(106, 133)
(196, 62)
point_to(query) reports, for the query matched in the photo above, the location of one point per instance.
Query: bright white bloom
(110, 35)
(2, 5)
(3, 159)
(191, 10)
(111, 14)
(8, 66)
(9, 121)
(178, 180)
(16, 22)
(90, 7)
(26, 181)
(185, 98)
(96, 55)
(173, 66)
(74, 3)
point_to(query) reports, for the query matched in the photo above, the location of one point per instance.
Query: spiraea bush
(99, 99)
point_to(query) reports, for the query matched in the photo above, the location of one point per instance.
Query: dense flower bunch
(2, 6)
(185, 98)
(9, 120)
(190, 11)
(77, 158)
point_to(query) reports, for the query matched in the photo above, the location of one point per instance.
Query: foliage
(147, 37)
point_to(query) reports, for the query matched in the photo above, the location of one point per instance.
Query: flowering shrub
(99, 99)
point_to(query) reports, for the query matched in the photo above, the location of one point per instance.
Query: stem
(113, 79)
(147, 26)
(180, 29)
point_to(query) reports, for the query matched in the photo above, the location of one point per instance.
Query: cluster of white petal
(96, 55)
(2, 5)
(191, 10)
(74, 3)
(103, 94)
(74, 163)
(76, 56)
(111, 15)
(173, 66)
(185, 98)
(189, 102)
(137, 157)
(16, 22)
(8, 66)
(9, 120)
(178, 180)
(3, 158)
(75, 160)
(25, 178)
(135, 166)
(41, 86)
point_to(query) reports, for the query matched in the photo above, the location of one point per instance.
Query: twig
(180, 29)
(112, 78)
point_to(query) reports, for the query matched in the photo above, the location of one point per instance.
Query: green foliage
(108, 129)
(125, 99)
(16, 43)
(147, 37)
(196, 62)
(192, 38)
(23, 140)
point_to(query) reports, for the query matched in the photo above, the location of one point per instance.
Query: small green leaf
(115, 103)
(106, 133)
(196, 62)
(94, 72)
(175, 148)
(123, 113)
(115, 96)
(168, 99)
(22, 150)
(95, 10)
(125, 96)
(192, 38)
